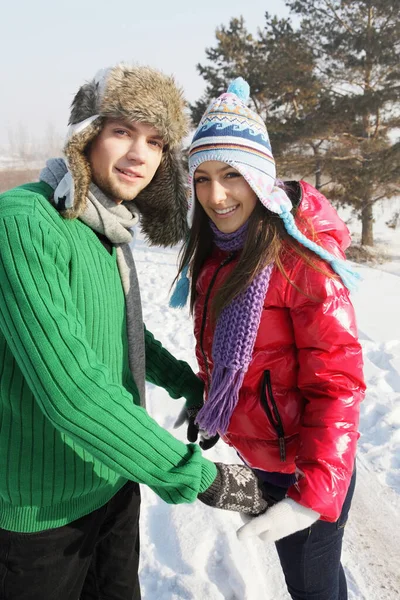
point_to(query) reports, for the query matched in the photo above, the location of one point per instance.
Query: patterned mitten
(188, 415)
(235, 488)
(282, 519)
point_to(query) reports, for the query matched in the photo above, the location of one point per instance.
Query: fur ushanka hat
(132, 93)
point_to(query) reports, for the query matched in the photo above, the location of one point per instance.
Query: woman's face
(224, 194)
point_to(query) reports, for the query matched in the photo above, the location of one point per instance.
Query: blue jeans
(310, 559)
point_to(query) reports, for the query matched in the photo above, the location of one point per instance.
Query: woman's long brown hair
(266, 242)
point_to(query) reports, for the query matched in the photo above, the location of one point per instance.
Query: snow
(190, 552)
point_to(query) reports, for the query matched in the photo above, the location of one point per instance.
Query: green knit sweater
(72, 432)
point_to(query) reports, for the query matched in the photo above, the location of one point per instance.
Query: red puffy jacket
(298, 407)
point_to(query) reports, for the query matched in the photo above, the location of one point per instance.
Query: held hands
(282, 519)
(188, 415)
(235, 488)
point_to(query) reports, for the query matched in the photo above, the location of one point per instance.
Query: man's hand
(282, 519)
(188, 415)
(235, 488)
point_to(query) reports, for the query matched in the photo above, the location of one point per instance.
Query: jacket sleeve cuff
(294, 494)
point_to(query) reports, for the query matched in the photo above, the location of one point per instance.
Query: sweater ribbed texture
(72, 432)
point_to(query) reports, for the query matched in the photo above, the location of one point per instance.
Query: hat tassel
(349, 277)
(181, 291)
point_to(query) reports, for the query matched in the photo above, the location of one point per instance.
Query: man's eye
(121, 132)
(156, 143)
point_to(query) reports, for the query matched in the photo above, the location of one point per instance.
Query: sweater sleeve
(330, 378)
(175, 376)
(72, 387)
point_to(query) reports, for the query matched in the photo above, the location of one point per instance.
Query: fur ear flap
(84, 104)
(163, 204)
(79, 167)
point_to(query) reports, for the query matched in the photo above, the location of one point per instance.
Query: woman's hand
(282, 519)
(188, 415)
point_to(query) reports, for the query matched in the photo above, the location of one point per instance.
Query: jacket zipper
(225, 262)
(273, 415)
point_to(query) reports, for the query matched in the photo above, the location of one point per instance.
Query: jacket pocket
(269, 405)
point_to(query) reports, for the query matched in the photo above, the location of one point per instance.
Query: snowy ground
(191, 552)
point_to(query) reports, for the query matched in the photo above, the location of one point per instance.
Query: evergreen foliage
(328, 91)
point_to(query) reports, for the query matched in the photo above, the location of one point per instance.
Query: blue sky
(48, 49)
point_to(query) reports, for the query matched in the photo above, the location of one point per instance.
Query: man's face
(124, 158)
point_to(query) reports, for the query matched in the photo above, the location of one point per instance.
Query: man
(76, 439)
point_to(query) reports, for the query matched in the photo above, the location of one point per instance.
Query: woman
(276, 339)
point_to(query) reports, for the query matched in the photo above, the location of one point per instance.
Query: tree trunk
(318, 174)
(367, 222)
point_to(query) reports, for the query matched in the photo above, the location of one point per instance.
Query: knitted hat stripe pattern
(230, 111)
(234, 116)
(240, 153)
(234, 158)
(229, 129)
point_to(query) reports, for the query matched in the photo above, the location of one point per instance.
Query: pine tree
(328, 92)
(356, 45)
(285, 88)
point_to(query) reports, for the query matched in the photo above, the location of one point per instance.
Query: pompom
(240, 88)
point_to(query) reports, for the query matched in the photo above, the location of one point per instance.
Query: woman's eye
(232, 174)
(121, 132)
(199, 180)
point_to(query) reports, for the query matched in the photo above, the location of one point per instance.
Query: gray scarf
(115, 222)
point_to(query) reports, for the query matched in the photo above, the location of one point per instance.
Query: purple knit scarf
(234, 338)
